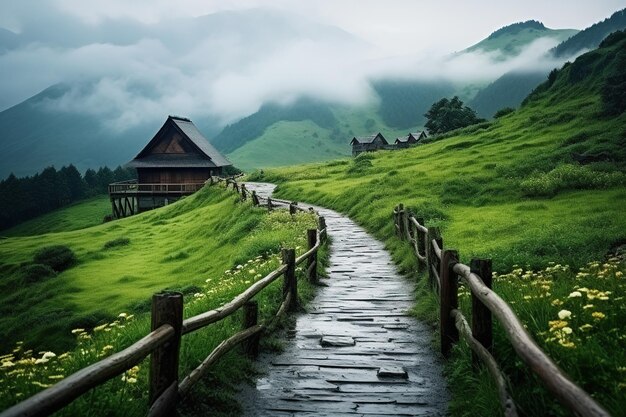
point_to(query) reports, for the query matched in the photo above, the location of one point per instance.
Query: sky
(130, 60)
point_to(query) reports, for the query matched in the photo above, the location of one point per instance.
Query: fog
(134, 69)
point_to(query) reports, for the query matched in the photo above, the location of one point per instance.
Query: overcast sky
(137, 56)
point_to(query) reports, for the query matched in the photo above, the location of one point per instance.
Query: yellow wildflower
(575, 294)
(587, 306)
(598, 315)
(585, 327)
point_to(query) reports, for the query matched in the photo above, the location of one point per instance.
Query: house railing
(444, 269)
(168, 327)
(133, 188)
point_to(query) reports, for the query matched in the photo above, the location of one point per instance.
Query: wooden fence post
(420, 237)
(290, 285)
(250, 318)
(405, 224)
(269, 204)
(243, 192)
(322, 227)
(292, 208)
(167, 308)
(396, 213)
(482, 327)
(312, 261)
(432, 261)
(448, 301)
(255, 198)
(401, 221)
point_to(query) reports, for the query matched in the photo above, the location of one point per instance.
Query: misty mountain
(510, 89)
(591, 37)
(512, 39)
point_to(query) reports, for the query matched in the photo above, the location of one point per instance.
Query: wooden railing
(167, 329)
(444, 269)
(132, 187)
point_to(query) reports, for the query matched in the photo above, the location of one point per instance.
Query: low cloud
(225, 65)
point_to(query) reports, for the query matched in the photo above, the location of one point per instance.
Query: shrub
(569, 177)
(503, 112)
(120, 241)
(58, 257)
(36, 272)
(360, 164)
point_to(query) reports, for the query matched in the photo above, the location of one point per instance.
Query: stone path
(356, 352)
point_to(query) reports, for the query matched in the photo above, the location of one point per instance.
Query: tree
(449, 114)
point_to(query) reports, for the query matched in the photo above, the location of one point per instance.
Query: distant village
(378, 142)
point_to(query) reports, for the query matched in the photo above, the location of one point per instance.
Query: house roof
(207, 156)
(367, 139)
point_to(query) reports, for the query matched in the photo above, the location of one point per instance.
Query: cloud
(223, 66)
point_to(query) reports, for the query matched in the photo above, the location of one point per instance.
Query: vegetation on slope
(176, 247)
(541, 191)
(511, 39)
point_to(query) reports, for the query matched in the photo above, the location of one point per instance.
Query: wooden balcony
(132, 188)
(130, 197)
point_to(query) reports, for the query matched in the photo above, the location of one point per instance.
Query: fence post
(405, 224)
(167, 308)
(432, 261)
(396, 213)
(322, 228)
(250, 318)
(482, 328)
(448, 301)
(269, 204)
(292, 208)
(312, 261)
(255, 198)
(420, 238)
(401, 221)
(243, 192)
(290, 285)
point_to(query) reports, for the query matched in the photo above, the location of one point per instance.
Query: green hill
(511, 40)
(542, 192)
(122, 263)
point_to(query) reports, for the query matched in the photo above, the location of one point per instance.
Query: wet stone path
(356, 351)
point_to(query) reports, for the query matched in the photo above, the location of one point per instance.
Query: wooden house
(368, 143)
(177, 161)
(410, 139)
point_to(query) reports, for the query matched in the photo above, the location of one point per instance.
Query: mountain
(591, 37)
(510, 40)
(510, 89)
(507, 91)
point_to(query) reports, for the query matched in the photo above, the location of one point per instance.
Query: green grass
(176, 247)
(210, 246)
(510, 190)
(77, 216)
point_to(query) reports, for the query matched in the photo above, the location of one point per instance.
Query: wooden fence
(167, 329)
(444, 269)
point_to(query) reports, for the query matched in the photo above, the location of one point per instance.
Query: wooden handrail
(436, 248)
(506, 400)
(68, 389)
(204, 319)
(224, 347)
(419, 226)
(570, 394)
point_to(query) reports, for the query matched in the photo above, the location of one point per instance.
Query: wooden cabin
(368, 143)
(176, 162)
(410, 139)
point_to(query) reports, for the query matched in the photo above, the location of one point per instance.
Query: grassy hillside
(510, 40)
(542, 192)
(77, 216)
(120, 264)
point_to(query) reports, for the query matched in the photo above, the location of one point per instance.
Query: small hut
(410, 139)
(368, 143)
(176, 162)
